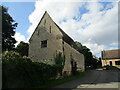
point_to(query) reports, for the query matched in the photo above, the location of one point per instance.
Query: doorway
(110, 63)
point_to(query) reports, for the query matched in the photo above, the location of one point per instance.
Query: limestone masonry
(48, 39)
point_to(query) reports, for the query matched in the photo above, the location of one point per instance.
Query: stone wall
(77, 57)
(43, 32)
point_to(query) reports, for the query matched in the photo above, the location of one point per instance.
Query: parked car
(88, 67)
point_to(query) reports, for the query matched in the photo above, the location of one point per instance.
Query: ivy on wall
(59, 59)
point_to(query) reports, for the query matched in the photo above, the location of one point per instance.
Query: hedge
(21, 72)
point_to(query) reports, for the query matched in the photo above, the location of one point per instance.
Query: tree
(22, 48)
(8, 30)
(79, 45)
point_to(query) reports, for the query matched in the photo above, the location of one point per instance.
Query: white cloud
(101, 28)
(97, 48)
(19, 37)
(97, 29)
(60, 12)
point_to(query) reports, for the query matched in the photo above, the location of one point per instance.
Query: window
(50, 29)
(38, 32)
(45, 22)
(63, 48)
(63, 42)
(117, 62)
(43, 43)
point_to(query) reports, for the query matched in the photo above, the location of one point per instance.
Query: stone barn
(49, 39)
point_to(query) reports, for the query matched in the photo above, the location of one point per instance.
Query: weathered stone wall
(77, 57)
(53, 43)
(67, 52)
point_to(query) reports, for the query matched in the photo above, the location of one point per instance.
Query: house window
(117, 62)
(43, 43)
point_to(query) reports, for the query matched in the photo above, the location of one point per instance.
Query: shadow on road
(95, 79)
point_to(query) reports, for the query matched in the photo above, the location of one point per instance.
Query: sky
(94, 24)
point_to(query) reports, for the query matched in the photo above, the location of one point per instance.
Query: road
(95, 79)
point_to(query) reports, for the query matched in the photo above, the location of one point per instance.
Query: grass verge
(54, 83)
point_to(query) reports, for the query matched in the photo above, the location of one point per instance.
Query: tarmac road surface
(95, 79)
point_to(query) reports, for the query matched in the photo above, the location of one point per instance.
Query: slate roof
(111, 54)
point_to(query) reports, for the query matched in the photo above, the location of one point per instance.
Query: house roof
(111, 54)
(65, 37)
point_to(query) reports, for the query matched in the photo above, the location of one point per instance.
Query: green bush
(22, 72)
(8, 55)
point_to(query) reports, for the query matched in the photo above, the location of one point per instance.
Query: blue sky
(90, 23)
(20, 12)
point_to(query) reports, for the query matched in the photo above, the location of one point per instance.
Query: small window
(63, 42)
(50, 29)
(63, 48)
(38, 32)
(43, 43)
(45, 22)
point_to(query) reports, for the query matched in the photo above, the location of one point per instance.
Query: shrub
(10, 55)
(22, 72)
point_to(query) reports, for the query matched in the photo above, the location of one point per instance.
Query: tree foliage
(59, 59)
(22, 48)
(79, 45)
(8, 30)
